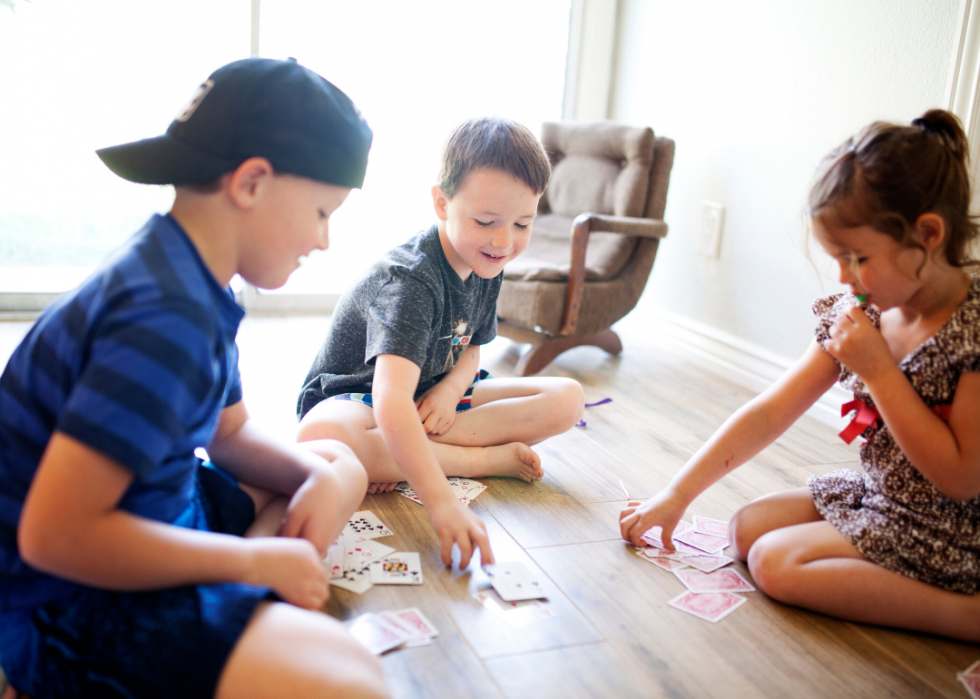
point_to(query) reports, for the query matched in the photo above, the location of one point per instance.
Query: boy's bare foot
(514, 460)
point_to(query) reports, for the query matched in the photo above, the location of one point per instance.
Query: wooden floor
(613, 633)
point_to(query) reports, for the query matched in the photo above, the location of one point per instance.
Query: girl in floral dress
(897, 545)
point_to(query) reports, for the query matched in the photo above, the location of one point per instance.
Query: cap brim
(164, 160)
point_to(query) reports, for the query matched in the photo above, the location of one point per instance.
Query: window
(79, 76)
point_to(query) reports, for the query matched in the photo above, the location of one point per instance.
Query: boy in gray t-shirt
(398, 379)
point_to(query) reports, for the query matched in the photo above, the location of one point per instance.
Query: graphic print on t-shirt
(460, 339)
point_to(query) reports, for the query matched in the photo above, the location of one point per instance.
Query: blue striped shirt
(137, 363)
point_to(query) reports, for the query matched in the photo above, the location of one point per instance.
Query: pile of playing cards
(356, 562)
(696, 562)
(971, 679)
(387, 630)
(466, 489)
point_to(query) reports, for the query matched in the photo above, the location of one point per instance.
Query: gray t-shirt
(411, 304)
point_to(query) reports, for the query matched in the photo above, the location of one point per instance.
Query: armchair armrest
(582, 227)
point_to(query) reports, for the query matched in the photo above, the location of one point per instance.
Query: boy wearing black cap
(124, 567)
(398, 377)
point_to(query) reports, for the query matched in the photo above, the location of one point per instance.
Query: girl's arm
(394, 383)
(318, 488)
(71, 527)
(747, 432)
(948, 454)
(437, 406)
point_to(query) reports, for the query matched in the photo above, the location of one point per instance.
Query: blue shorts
(160, 643)
(464, 403)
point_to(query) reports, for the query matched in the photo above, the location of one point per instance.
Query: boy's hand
(454, 524)
(292, 568)
(437, 407)
(663, 509)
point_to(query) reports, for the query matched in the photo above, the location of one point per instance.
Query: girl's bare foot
(375, 488)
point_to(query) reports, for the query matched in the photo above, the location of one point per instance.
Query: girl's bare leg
(768, 513)
(811, 565)
(289, 652)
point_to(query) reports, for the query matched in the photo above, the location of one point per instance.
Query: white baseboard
(735, 359)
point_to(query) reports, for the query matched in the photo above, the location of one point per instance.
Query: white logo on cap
(199, 94)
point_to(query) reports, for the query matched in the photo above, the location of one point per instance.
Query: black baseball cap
(256, 107)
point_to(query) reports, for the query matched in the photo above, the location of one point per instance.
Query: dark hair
(497, 144)
(888, 175)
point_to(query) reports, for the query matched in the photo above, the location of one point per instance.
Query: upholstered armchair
(593, 243)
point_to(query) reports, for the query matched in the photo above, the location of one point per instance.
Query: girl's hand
(437, 408)
(857, 344)
(664, 509)
(292, 568)
(457, 525)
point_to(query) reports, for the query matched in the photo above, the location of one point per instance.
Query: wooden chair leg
(543, 352)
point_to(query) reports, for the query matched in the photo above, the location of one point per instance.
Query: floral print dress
(892, 513)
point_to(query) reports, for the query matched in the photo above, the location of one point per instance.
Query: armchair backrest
(598, 167)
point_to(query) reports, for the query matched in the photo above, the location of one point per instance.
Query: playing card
(376, 633)
(972, 684)
(654, 534)
(402, 568)
(513, 581)
(973, 670)
(363, 553)
(706, 563)
(669, 562)
(711, 607)
(711, 527)
(365, 525)
(358, 581)
(705, 542)
(410, 494)
(333, 562)
(517, 615)
(718, 581)
(465, 487)
(415, 621)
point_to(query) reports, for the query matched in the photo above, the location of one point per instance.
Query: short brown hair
(497, 144)
(888, 175)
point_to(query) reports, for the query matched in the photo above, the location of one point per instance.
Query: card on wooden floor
(711, 527)
(357, 555)
(358, 581)
(333, 562)
(667, 561)
(513, 581)
(972, 684)
(713, 606)
(415, 621)
(365, 525)
(719, 581)
(517, 615)
(402, 568)
(705, 542)
(705, 562)
(376, 633)
(973, 670)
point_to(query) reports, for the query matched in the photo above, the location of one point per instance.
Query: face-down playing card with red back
(726, 580)
(712, 606)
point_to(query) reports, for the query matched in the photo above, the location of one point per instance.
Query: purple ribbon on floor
(581, 423)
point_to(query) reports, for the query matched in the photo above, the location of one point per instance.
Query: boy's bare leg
(270, 508)
(517, 410)
(813, 566)
(290, 652)
(474, 447)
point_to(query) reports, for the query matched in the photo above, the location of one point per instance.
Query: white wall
(755, 93)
